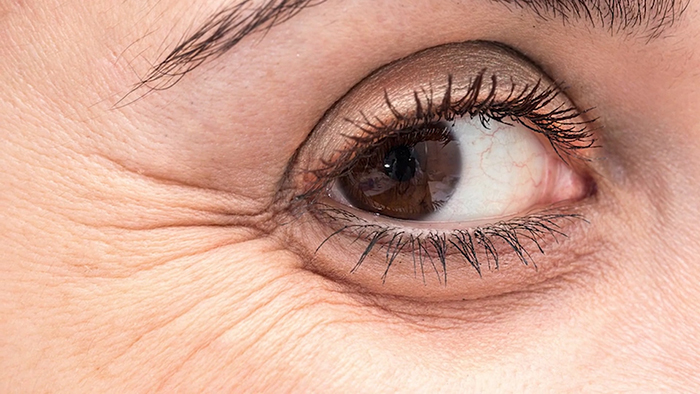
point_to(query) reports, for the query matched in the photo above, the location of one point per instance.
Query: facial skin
(145, 246)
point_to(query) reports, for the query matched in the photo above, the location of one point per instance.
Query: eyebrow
(215, 36)
(226, 28)
(648, 18)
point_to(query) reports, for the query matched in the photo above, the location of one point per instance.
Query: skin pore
(148, 243)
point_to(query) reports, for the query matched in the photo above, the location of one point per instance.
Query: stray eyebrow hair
(227, 27)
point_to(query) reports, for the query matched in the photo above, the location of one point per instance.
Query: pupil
(400, 163)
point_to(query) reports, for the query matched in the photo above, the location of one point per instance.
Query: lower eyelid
(337, 257)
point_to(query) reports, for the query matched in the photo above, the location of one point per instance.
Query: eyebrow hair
(217, 35)
(226, 28)
(632, 17)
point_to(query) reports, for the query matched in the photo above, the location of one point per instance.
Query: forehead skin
(140, 249)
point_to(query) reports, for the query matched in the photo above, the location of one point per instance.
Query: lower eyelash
(433, 247)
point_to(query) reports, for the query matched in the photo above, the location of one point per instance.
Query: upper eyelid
(371, 94)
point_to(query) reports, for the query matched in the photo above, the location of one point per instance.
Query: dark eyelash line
(471, 245)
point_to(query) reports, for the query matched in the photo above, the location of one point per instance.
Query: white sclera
(503, 171)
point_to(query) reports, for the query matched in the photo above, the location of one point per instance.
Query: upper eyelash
(563, 125)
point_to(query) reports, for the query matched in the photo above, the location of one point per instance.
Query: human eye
(464, 155)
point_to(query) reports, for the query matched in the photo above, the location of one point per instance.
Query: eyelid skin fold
(483, 80)
(440, 83)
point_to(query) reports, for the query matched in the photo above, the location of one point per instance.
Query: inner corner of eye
(464, 170)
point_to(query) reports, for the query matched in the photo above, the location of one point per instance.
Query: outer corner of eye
(414, 190)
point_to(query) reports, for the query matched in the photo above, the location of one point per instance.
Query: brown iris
(406, 176)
